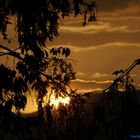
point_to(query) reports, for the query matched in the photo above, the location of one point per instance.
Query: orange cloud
(100, 75)
(94, 28)
(92, 81)
(92, 48)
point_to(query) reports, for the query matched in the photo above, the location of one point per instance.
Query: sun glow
(57, 101)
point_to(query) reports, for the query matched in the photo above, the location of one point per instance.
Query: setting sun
(56, 101)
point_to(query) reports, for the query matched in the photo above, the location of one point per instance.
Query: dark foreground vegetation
(112, 115)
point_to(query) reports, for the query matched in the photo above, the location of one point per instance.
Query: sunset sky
(112, 43)
(98, 49)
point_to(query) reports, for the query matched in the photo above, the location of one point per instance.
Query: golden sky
(112, 43)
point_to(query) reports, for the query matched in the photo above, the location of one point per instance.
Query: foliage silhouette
(37, 67)
(37, 22)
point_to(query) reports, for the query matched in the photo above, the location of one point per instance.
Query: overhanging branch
(10, 52)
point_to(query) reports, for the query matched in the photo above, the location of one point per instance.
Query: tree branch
(10, 52)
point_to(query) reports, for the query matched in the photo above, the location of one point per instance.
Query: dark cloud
(118, 8)
(109, 5)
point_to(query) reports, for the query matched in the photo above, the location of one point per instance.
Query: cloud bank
(119, 7)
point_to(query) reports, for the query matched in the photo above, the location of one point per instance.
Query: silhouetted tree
(37, 21)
